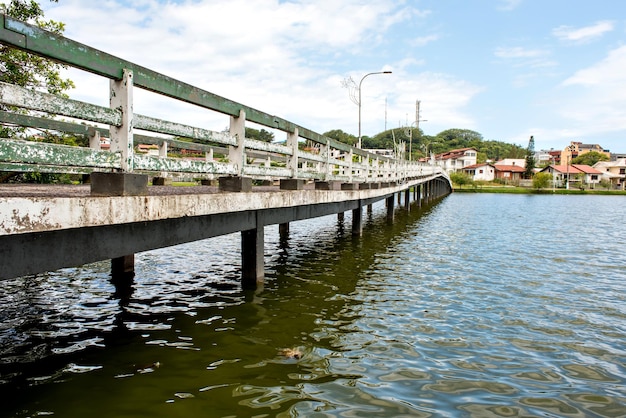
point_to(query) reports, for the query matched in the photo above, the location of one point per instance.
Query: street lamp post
(570, 148)
(361, 82)
(417, 125)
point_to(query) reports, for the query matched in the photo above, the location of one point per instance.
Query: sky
(507, 69)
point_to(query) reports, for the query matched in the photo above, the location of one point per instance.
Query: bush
(461, 179)
(542, 180)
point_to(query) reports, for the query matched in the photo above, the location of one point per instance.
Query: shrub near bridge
(461, 179)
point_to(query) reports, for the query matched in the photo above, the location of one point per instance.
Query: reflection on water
(483, 305)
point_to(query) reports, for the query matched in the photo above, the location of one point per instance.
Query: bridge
(128, 204)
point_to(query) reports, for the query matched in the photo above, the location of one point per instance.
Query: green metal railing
(332, 160)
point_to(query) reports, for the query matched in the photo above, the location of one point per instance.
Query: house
(481, 172)
(520, 162)
(456, 159)
(579, 175)
(576, 149)
(508, 172)
(546, 157)
(614, 171)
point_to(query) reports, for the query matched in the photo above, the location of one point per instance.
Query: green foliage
(590, 158)
(461, 179)
(26, 70)
(38, 178)
(542, 180)
(346, 138)
(31, 71)
(385, 139)
(530, 158)
(605, 183)
(459, 138)
(259, 135)
(465, 138)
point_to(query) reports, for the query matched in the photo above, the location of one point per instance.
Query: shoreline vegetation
(530, 190)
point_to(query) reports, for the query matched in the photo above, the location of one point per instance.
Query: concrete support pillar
(122, 275)
(283, 231)
(418, 195)
(252, 253)
(369, 208)
(123, 268)
(341, 216)
(357, 221)
(399, 198)
(390, 207)
(407, 198)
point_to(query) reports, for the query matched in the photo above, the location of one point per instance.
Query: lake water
(483, 305)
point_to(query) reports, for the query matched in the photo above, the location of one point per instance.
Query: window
(622, 170)
(594, 177)
(480, 171)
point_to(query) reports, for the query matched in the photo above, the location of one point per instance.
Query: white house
(484, 172)
(614, 171)
(579, 175)
(520, 162)
(456, 159)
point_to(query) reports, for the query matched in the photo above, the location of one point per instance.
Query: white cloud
(424, 40)
(519, 52)
(444, 101)
(284, 58)
(593, 99)
(508, 5)
(585, 34)
(608, 73)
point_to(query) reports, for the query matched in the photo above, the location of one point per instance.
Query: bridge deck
(36, 208)
(83, 190)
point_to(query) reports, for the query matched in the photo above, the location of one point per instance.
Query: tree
(23, 69)
(530, 158)
(461, 179)
(590, 158)
(458, 138)
(541, 180)
(341, 136)
(259, 135)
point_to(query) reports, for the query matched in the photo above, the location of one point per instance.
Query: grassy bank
(526, 190)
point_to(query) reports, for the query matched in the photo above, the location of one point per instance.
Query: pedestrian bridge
(128, 204)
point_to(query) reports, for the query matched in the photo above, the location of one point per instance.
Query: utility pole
(417, 114)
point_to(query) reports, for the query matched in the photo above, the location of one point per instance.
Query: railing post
(94, 139)
(236, 155)
(292, 161)
(121, 97)
(350, 154)
(329, 170)
(163, 150)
